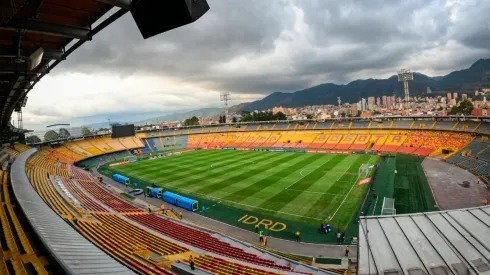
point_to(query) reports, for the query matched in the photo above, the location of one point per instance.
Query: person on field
(322, 229)
(180, 215)
(342, 237)
(149, 209)
(338, 237)
(256, 228)
(298, 238)
(478, 180)
(261, 236)
(347, 250)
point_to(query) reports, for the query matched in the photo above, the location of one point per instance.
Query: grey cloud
(373, 35)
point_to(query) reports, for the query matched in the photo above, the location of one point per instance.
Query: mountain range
(467, 80)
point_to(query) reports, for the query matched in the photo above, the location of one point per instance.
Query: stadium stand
(360, 143)
(332, 141)
(271, 140)
(445, 125)
(360, 124)
(199, 239)
(346, 142)
(17, 252)
(324, 125)
(402, 124)
(319, 141)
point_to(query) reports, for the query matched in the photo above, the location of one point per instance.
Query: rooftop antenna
(225, 97)
(404, 76)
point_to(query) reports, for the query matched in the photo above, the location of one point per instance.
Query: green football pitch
(306, 188)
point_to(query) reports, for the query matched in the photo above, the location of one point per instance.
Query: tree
(222, 119)
(191, 121)
(64, 133)
(279, 116)
(33, 139)
(51, 135)
(465, 108)
(86, 132)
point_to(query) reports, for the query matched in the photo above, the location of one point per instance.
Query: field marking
(251, 206)
(321, 193)
(355, 183)
(306, 174)
(301, 172)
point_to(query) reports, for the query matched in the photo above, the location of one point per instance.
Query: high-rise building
(384, 101)
(378, 101)
(449, 96)
(455, 96)
(363, 104)
(353, 109)
(371, 101)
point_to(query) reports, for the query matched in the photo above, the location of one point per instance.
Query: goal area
(365, 170)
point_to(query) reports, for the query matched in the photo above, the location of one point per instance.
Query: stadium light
(404, 76)
(225, 97)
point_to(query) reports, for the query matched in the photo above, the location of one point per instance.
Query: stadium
(377, 195)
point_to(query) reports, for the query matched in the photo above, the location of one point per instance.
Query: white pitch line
(321, 193)
(301, 172)
(252, 206)
(355, 183)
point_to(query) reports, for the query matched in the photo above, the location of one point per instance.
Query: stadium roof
(72, 251)
(447, 242)
(53, 25)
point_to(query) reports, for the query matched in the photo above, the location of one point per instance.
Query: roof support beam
(48, 54)
(32, 25)
(124, 4)
(21, 70)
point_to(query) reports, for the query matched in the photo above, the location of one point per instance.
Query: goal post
(388, 207)
(365, 170)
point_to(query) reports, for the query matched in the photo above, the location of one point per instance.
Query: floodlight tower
(405, 76)
(225, 97)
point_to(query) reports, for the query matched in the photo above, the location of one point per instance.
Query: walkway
(452, 186)
(297, 248)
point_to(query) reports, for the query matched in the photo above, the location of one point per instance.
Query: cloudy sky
(255, 47)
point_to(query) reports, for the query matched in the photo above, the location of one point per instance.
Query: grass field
(298, 187)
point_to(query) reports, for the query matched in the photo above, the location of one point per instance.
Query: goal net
(365, 170)
(388, 207)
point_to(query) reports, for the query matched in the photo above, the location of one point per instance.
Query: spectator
(347, 250)
(191, 262)
(298, 236)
